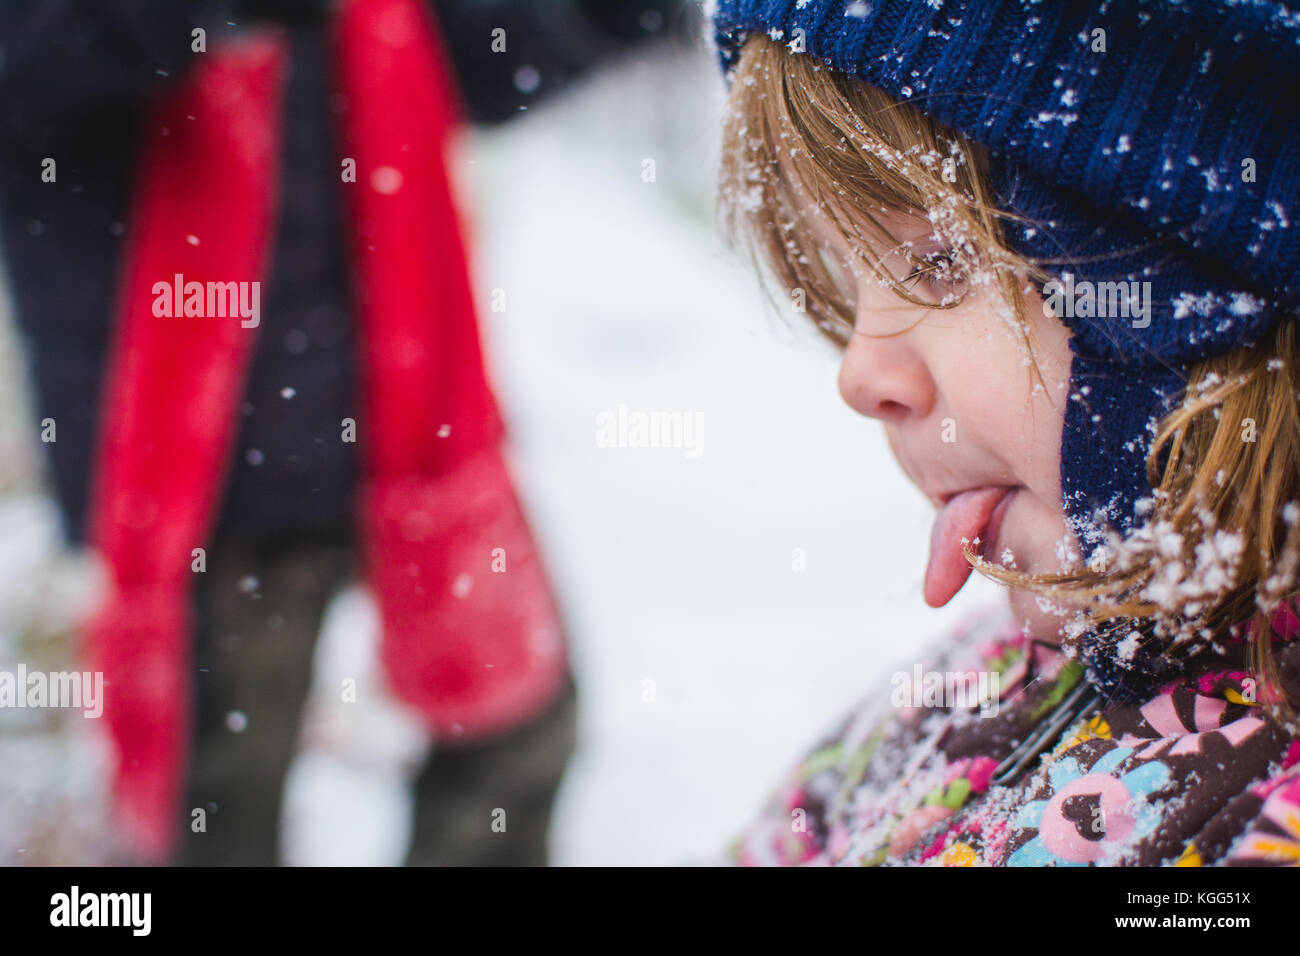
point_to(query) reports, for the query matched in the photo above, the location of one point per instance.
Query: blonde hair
(801, 139)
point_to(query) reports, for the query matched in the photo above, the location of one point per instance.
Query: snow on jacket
(1197, 775)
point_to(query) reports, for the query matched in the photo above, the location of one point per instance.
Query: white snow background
(669, 569)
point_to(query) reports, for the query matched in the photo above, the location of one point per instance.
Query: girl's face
(961, 411)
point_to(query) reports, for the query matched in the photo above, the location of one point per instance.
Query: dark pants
(259, 608)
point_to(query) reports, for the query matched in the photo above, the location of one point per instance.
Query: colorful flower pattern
(913, 786)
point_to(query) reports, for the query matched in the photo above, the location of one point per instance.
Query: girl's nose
(884, 377)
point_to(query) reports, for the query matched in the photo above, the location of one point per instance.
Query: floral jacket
(1195, 776)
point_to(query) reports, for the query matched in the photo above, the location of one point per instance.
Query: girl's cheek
(987, 403)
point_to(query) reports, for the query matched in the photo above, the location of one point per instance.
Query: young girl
(1055, 247)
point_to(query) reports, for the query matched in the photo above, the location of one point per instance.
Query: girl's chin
(1038, 624)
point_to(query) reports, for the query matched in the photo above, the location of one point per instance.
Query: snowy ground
(705, 661)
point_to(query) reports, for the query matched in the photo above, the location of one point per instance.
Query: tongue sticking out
(964, 516)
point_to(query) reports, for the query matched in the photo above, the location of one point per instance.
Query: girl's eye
(936, 268)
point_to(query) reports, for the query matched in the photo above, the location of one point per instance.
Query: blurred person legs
(260, 608)
(259, 611)
(491, 805)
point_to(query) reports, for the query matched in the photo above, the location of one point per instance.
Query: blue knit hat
(1140, 142)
